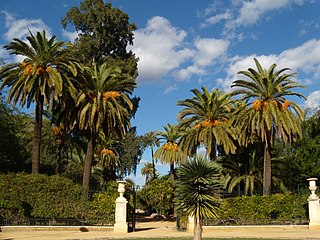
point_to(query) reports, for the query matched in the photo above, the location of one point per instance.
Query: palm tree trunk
(197, 233)
(35, 159)
(172, 172)
(153, 165)
(59, 158)
(267, 166)
(88, 162)
(213, 153)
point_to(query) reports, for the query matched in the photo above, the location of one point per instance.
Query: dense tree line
(84, 102)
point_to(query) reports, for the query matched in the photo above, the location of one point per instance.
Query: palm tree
(103, 105)
(243, 169)
(197, 190)
(170, 152)
(42, 76)
(207, 118)
(270, 113)
(148, 171)
(151, 140)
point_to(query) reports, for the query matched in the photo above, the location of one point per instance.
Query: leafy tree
(130, 150)
(103, 31)
(14, 153)
(103, 104)
(300, 160)
(206, 118)
(170, 152)
(271, 113)
(158, 195)
(197, 190)
(42, 76)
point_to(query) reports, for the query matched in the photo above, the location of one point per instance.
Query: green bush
(273, 209)
(157, 196)
(25, 196)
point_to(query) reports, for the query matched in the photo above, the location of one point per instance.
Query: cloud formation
(19, 28)
(304, 58)
(163, 50)
(313, 100)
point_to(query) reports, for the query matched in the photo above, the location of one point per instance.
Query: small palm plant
(197, 190)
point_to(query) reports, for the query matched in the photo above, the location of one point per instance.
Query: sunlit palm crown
(169, 151)
(206, 118)
(266, 90)
(46, 69)
(104, 99)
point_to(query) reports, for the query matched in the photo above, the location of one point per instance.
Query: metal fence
(58, 222)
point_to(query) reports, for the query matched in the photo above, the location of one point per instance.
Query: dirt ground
(153, 227)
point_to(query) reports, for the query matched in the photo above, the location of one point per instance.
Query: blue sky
(186, 44)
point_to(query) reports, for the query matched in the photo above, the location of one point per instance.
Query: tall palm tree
(151, 140)
(207, 118)
(103, 104)
(271, 113)
(170, 152)
(42, 76)
(148, 171)
(197, 190)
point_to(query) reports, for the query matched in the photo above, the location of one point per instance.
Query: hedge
(24, 196)
(273, 209)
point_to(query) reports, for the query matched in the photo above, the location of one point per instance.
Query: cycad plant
(271, 114)
(197, 190)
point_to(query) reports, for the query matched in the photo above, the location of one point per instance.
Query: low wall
(55, 228)
(212, 228)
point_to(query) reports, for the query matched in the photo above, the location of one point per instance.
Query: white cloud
(252, 11)
(304, 59)
(162, 51)
(217, 18)
(19, 28)
(70, 36)
(160, 48)
(208, 50)
(313, 100)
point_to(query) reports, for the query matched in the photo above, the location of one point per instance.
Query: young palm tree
(270, 113)
(43, 75)
(104, 105)
(170, 152)
(207, 118)
(197, 190)
(147, 171)
(151, 140)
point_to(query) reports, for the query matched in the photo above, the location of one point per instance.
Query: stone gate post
(313, 205)
(121, 225)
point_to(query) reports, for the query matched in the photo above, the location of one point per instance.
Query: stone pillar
(313, 205)
(121, 225)
(190, 225)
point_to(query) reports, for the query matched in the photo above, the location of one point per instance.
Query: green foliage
(39, 196)
(273, 209)
(157, 196)
(14, 154)
(103, 204)
(103, 30)
(198, 186)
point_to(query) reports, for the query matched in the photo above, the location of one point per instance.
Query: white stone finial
(313, 187)
(121, 187)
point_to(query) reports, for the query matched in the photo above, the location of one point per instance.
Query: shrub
(25, 196)
(273, 209)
